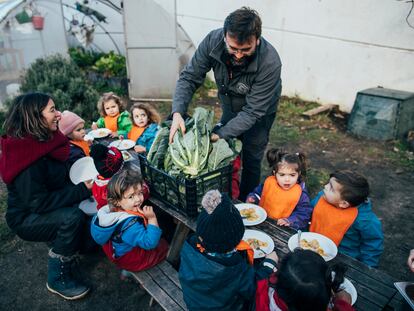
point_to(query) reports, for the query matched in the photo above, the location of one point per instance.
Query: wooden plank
(318, 110)
(170, 272)
(162, 298)
(169, 287)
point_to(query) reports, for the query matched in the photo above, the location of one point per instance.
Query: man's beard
(242, 62)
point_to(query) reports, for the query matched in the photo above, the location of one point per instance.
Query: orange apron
(112, 123)
(331, 221)
(277, 202)
(136, 132)
(81, 144)
(117, 209)
(244, 246)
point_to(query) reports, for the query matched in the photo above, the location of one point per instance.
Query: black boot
(60, 279)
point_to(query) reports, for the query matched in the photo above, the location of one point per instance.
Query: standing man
(247, 73)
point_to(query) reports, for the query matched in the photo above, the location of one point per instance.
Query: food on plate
(256, 244)
(249, 213)
(313, 245)
(126, 155)
(102, 133)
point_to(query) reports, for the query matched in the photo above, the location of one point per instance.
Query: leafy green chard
(159, 147)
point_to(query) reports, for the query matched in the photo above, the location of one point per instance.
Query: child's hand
(140, 149)
(88, 184)
(250, 200)
(283, 222)
(148, 212)
(114, 134)
(410, 260)
(273, 256)
(343, 295)
(94, 126)
(121, 137)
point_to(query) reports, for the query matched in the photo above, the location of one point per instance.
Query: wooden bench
(162, 283)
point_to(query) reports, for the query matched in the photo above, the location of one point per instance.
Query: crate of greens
(180, 173)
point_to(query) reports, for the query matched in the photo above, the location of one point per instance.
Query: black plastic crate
(184, 194)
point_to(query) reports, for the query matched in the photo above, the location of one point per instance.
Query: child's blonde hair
(152, 113)
(110, 96)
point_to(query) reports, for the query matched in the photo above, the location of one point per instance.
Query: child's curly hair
(152, 113)
(110, 96)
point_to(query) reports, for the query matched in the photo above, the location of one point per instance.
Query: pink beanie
(68, 122)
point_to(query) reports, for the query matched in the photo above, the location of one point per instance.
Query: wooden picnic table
(375, 288)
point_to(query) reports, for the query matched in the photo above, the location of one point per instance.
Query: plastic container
(184, 194)
(382, 114)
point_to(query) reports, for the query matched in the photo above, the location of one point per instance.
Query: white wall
(329, 49)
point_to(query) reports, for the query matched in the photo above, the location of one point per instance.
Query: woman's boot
(60, 279)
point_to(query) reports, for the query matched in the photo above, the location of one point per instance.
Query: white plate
(327, 244)
(82, 170)
(88, 137)
(88, 206)
(100, 133)
(401, 286)
(350, 289)
(261, 236)
(123, 144)
(259, 211)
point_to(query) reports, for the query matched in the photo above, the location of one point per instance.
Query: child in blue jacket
(343, 212)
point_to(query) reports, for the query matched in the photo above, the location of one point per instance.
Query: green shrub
(84, 59)
(111, 65)
(62, 79)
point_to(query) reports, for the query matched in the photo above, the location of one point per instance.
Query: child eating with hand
(128, 230)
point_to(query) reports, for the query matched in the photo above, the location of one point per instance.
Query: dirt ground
(23, 265)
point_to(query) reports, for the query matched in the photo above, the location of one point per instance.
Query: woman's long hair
(25, 117)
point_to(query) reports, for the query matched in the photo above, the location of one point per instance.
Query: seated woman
(42, 202)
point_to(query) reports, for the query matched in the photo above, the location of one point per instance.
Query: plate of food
(88, 137)
(123, 144)
(252, 214)
(261, 243)
(83, 170)
(315, 242)
(100, 133)
(350, 289)
(126, 155)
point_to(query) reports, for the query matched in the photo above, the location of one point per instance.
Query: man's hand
(140, 149)
(177, 123)
(214, 137)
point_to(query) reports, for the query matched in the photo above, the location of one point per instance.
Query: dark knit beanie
(219, 226)
(108, 161)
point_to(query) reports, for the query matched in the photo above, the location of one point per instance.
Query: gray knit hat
(219, 226)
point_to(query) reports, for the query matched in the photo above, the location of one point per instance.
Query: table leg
(177, 242)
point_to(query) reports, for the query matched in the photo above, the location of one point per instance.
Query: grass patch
(315, 180)
(5, 233)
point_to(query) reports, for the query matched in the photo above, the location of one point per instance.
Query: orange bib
(277, 202)
(244, 246)
(81, 144)
(331, 221)
(135, 132)
(112, 123)
(133, 213)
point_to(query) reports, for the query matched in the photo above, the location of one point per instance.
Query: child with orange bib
(113, 115)
(145, 121)
(343, 213)
(73, 127)
(129, 232)
(283, 195)
(216, 271)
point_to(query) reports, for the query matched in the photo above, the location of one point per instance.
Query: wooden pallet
(162, 283)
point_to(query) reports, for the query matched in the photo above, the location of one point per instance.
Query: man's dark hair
(355, 187)
(242, 24)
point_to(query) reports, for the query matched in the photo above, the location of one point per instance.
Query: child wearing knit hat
(73, 127)
(215, 270)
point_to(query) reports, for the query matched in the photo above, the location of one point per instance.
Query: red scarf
(17, 154)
